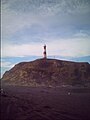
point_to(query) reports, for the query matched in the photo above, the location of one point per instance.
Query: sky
(26, 25)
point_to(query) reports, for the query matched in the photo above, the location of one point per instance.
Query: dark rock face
(48, 72)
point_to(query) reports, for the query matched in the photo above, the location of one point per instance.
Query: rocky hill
(48, 72)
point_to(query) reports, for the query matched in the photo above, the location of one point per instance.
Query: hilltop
(48, 72)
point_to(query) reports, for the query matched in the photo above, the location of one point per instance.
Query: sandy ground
(25, 103)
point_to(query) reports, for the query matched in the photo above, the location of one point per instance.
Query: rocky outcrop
(48, 72)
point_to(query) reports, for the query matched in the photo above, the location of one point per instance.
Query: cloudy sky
(26, 25)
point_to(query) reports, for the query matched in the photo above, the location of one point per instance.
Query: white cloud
(71, 47)
(21, 50)
(53, 17)
(5, 64)
(18, 14)
(63, 47)
(12, 22)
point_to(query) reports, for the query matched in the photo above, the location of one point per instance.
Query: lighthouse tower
(44, 53)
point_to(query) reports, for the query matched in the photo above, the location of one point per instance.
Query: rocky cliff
(48, 72)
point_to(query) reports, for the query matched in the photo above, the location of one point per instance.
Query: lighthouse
(44, 53)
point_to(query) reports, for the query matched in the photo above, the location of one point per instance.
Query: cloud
(19, 14)
(28, 24)
(11, 50)
(50, 6)
(71, 47)
(81, 34)
(5, 64)
(63, 47)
